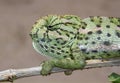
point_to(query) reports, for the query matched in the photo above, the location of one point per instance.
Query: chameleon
(69, 40)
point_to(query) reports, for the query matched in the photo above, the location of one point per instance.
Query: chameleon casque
(70, 41)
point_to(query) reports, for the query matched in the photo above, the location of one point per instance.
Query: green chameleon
(70, 41)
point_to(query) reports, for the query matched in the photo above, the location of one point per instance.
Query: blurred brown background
(16, 20)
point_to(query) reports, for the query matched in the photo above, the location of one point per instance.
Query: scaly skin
(70, 41)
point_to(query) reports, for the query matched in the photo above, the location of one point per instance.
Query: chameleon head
(52, 35)
(56, 26)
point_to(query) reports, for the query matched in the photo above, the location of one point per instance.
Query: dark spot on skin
(34, 36)
(55, 44)
(71, 56)
(108, 54)
(62, 51)
(85, 23)
(64, 42)
(100, 21)
(83, 27)
(98, 25)
(79, 38)
(118, 25)
(98, 38)
(87, 58)
(64, 56)
(71, 32)
(41, 45)
(58, 48)
(52, 47)
(107, 26)
(99, 32)
(86, 38)
(90, 32)
(108, 34)
(87, 52)
(58, 53)
(104, 52)
(119, 20)
(95, 51)
(43, 39)
(78, 32)
(111, 21)
(83, 50)
(93, 57)
(93, 42)
(74, 36)
(64, 46)
(118, 50)
(118, 34)
(86, 43)
(46, 50)
(63, 30)
(46, 46)
(59, 32)
(58, 41)
(52, 51)
(67, 35)
(92, 20)
(67, 52)
(47, 31)
(107, 43)
(38, 41)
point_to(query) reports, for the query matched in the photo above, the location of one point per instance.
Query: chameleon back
(100, 37)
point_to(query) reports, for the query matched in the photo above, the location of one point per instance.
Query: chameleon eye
(49, 28)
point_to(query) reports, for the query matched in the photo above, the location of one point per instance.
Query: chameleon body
(70, 41)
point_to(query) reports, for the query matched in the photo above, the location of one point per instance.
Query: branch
(13, 74)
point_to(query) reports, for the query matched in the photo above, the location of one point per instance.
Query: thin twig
(13, 74)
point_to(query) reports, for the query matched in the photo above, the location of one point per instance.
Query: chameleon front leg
(66, 63)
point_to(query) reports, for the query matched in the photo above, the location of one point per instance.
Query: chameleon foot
(68, 72)
(46, 68)
(62, 63)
